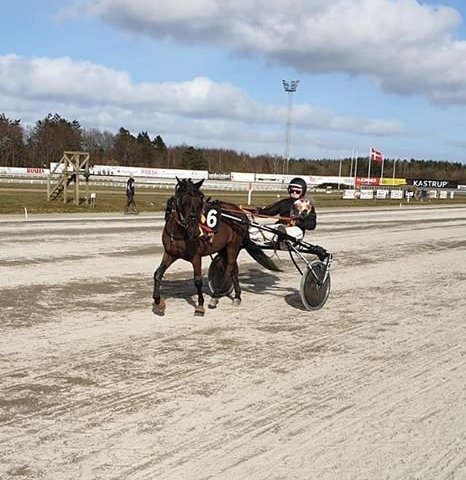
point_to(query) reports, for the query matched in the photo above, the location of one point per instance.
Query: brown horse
(185, 236)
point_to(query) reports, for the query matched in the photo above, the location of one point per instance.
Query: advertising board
(392, 181)
(432, 183)
(396, 194)
(367, 194)
(381, 194)
(349, 194)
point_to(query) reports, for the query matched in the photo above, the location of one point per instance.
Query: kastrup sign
(433, 183)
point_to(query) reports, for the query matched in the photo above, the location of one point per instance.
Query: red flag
(376, 156)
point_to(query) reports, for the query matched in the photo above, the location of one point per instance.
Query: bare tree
(12, 151)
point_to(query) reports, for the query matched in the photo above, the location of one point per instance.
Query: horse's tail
(259, 256)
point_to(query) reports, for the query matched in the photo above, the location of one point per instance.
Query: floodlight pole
(290, 88)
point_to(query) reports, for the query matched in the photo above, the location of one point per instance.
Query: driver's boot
(320, 252)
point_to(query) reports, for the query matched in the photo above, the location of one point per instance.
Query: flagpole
(369, 166)
(355, 168)
(381, 171)
(339, 174)
(394, 165)
(351, 164)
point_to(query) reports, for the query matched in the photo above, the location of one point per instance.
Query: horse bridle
(188, 220)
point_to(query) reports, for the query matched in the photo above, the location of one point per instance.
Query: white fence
(102, 175)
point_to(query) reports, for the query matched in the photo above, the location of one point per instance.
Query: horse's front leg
(158, 307)
(197, 269)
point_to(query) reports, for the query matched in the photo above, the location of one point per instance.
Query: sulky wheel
(218, 286)
(314, 294)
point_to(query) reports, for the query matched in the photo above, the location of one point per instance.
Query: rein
(250, 211)
(173, 234)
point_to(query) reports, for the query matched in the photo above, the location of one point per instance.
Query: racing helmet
(297, 183)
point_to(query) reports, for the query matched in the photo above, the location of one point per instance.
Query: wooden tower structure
(65, 177)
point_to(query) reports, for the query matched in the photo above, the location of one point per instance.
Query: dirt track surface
(94, 386)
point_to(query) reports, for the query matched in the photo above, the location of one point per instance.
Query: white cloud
(108, 99)
(405, 46)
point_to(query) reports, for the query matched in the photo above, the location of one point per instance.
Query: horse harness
(208, 224)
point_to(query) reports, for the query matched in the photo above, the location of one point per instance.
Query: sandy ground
(94, 386)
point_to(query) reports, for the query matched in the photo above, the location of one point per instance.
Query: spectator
(130, 202)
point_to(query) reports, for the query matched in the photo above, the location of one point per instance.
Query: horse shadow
(253, 280)
(260, 282)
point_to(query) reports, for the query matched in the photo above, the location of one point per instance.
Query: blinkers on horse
(189, 202)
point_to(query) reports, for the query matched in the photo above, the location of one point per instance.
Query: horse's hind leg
(231, 271)
(158, 307)
(197, 268)
(234, 278)
(214, 299)
(213, 302)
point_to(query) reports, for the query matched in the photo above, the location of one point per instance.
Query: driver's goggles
(295, 190)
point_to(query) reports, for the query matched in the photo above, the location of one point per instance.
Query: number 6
(212, 218)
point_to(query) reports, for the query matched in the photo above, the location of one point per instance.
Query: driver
(297, 214)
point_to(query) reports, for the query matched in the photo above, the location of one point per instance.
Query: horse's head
(189, 204)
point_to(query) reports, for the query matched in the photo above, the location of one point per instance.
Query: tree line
(48, 138)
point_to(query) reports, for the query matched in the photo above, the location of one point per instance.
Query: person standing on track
(130, 191)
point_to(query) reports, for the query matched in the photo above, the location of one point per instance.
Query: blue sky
(384, 73)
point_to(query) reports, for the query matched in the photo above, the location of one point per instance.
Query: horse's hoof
(199, 311)
(213, 303)
(237, 302)
(159, 308)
